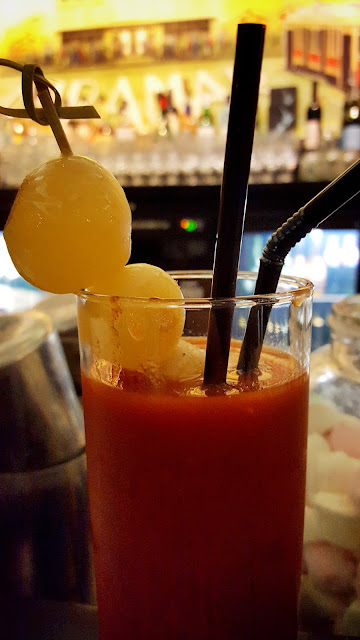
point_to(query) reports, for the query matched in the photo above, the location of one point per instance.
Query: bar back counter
(161, 215)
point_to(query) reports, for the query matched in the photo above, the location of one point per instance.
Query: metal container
(45, 546)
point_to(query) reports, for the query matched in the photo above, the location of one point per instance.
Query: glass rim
(302, 288)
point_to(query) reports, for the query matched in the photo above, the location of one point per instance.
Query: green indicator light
(192, 226)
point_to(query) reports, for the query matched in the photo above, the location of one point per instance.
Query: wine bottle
(312, 138)
(350, 137)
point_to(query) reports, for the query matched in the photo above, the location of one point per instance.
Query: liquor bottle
(206, 127)
(187, 122)
(172, 116)
(350, 137)
(123, 126)
(163, 129)
(312, 138)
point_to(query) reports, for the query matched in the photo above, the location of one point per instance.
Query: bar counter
(269, 205)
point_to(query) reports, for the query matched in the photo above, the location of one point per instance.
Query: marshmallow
(351, 620)
(335, 470)
(345, 436)
(354, 488)
(315, 605)
(310, 525)
(322, 415)
(315, 446)
(338, 519)
(331, 556)
(330, 568)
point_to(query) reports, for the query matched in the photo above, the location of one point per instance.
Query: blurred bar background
(160, 76)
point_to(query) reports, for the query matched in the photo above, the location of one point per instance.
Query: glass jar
(330, 598)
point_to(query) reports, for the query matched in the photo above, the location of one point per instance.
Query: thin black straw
(324, 204)
(240, 135)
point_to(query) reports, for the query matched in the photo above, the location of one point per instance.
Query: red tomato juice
(197, 510)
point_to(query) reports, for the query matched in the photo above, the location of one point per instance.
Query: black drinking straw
(324, 204)
(239, 142)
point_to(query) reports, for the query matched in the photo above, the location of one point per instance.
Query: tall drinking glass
(196, 492)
